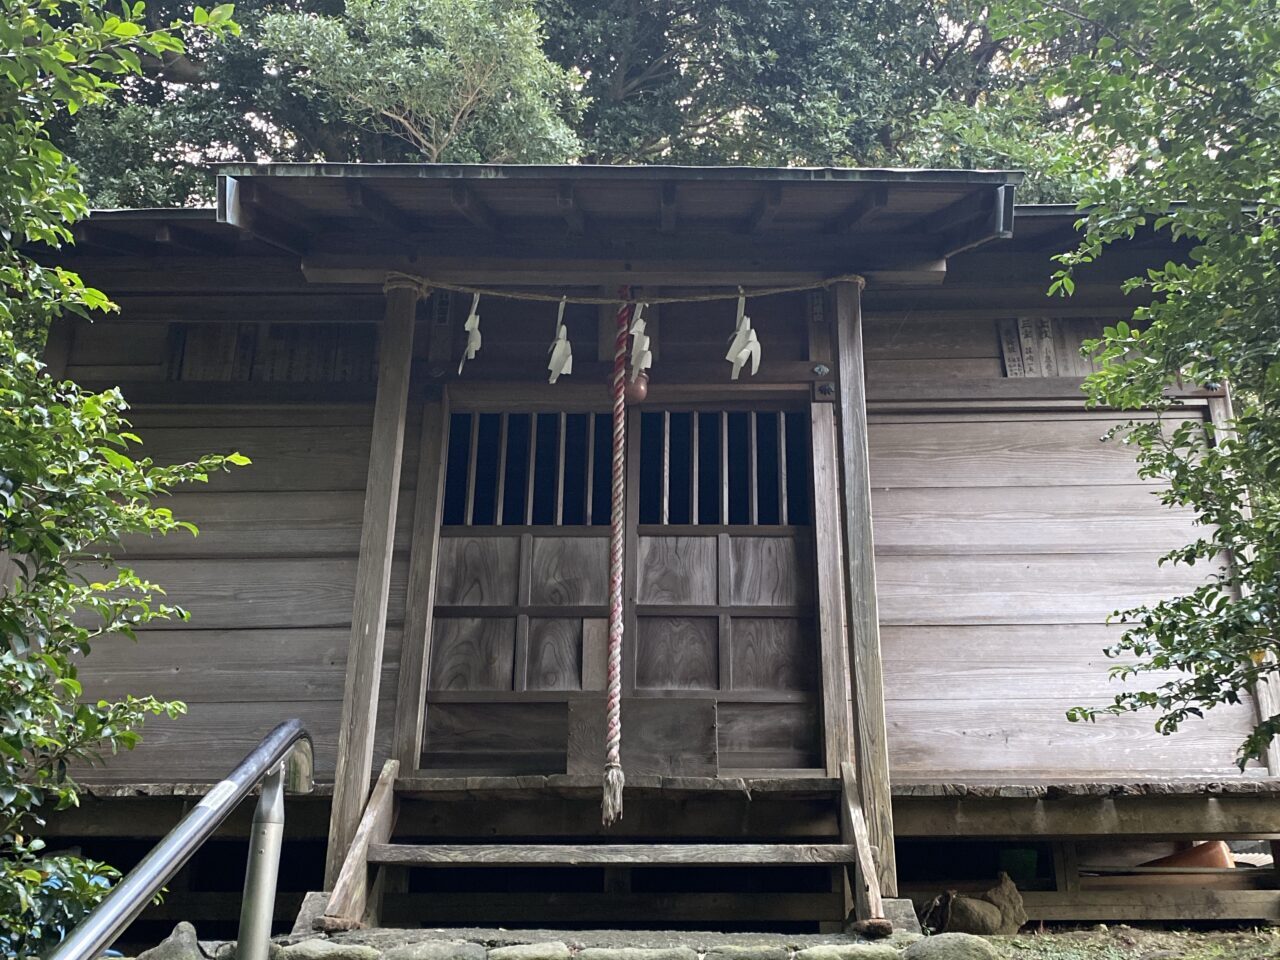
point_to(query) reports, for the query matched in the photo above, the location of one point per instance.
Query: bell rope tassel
(611, 801)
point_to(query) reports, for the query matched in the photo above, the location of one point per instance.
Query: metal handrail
(284, 753)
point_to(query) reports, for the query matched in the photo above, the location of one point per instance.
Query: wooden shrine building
(873, 573)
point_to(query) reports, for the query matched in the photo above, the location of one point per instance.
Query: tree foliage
(69, 486)
(672, 81)
(762, 82)
(1179, 118)
(457, 80)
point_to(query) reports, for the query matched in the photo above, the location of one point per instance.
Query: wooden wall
(268, 583)
(1005, 534)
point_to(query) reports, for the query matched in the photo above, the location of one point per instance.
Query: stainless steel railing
(282, 761)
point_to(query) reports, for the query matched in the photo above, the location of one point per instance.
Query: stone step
(612, 854)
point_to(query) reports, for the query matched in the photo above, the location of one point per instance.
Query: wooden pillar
(415, 644)
(1266, 692)
(832, 649)
(870, 740)
(373, 577)
(57, 346)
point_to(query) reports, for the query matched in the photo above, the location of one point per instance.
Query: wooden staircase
(356, 897)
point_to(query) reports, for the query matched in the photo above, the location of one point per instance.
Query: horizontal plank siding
(1004, 541)
(1020, 451)
(205, 744)
(1031, 737)
(213, 666)
(1004, 520)
(1023, 588)
(266, 524)
(268, 584)
(223, 594)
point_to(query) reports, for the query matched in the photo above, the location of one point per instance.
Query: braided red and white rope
(611, 802)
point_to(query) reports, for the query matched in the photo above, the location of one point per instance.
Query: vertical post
(424, 553)
(871, 749)
(1266, 692)
(833, 650)
(258, 905)
(373, 575)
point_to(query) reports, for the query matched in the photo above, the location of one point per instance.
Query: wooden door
(720, 657)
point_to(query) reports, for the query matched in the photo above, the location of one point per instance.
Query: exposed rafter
(466, 203)
(247, 205)
(667, 200)
(872, 199)
(567, 201)
(368, 201)
(766, 208)
(970, 221)
(91, 235)
(185, 240)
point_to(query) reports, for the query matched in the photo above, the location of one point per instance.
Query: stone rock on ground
(970, 915)
(1008, 900)
(762, 951)
(318, 949)
(900, 939)
(552, 950)
(901, 912)
(951, 946)
(637, 953)
(436, 950)
(227, 951)
(849, 951)
(179, 945)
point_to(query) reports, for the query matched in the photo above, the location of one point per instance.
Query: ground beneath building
(1119, 942)
(1101, 942)
(1133, 943)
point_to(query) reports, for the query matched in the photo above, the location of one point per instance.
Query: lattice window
(695, 467)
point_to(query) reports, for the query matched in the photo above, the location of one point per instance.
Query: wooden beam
(466, 203)
(868, 904)
(567, 202)
(635, 855)
(415, 647)
(356, 269)
(667, 208)
(1174, 818)
(1154, 904)
(373, 577)
(871, 747)
(541, 907)
(678, 371)
(831, 611)
(350, 898)
(872, 199)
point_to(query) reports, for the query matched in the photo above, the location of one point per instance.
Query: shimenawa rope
(425, 285)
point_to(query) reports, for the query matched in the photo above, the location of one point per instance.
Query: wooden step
(612, 854)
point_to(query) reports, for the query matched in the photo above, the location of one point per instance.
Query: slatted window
(541, 469)
(727, 468)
